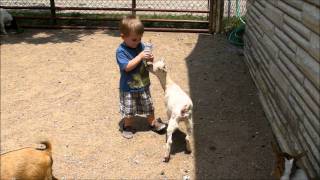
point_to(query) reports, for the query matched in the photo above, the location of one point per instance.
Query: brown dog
(28, 163)
(286, 167)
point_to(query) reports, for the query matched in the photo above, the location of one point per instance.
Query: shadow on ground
(232, 134)
(43, 36)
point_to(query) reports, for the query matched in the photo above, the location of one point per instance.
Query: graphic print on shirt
(140, 78)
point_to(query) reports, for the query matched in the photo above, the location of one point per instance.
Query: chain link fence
(230, 8)
(229, 5)
(25, 3)
(195, 12)
(197, 5)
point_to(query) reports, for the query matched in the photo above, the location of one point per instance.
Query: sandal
(127, 132)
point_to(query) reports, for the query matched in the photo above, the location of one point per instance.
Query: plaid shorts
(132, 103)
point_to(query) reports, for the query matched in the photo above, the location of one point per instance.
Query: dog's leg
(172, 126)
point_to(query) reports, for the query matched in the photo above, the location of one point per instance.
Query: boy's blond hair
(131, 24)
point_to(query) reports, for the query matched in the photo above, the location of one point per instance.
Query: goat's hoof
(166, 159)
(187, 151)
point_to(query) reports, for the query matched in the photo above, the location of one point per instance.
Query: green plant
(231, 23)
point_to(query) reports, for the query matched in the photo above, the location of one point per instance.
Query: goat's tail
(47, 148)
(186, 111)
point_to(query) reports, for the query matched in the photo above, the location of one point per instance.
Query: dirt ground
(62, 85)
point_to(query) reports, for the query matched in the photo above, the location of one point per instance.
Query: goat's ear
(165, 67)
(150, 67)
(162, 59)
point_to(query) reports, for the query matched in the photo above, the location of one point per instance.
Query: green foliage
(231, 23)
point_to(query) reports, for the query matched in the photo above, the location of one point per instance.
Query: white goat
(178, 104)
(286, 168)
(5, 19)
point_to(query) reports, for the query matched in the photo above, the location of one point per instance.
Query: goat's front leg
(189, 126)
(168, 114)
(172, 126)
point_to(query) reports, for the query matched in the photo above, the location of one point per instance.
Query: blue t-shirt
(137, 79)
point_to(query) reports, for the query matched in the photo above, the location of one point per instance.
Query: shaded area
(232, 135)
(43, 36)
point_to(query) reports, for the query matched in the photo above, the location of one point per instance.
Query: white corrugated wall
(282, 52)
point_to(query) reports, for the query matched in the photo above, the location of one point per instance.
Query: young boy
(135, 97)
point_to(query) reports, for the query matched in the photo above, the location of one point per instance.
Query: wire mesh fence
(25, 3)
(189, 10)
(192, 5)
(196, 5)
(230, 8)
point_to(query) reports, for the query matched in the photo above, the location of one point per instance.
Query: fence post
(211, 16)
(229, 8)
(219, 15)
(53, 12)
(133, 8)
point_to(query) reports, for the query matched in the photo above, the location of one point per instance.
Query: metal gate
(157, 15)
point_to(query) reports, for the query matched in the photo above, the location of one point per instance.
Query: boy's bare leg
(128, 121)
(150, 119)
(127, 131)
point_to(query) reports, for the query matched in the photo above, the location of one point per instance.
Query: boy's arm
(134, 62)
(127, 65)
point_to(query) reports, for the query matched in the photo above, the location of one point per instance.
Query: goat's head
(284, 161)
(158, 68)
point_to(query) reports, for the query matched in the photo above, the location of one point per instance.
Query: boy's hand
(146, 56)
(136, 61)
(149, 57)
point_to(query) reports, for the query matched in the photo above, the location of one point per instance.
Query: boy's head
(131, 31)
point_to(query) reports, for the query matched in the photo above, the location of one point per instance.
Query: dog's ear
(300, 155)
(275, 149)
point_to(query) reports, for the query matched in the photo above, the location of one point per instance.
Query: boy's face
(132, 40)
